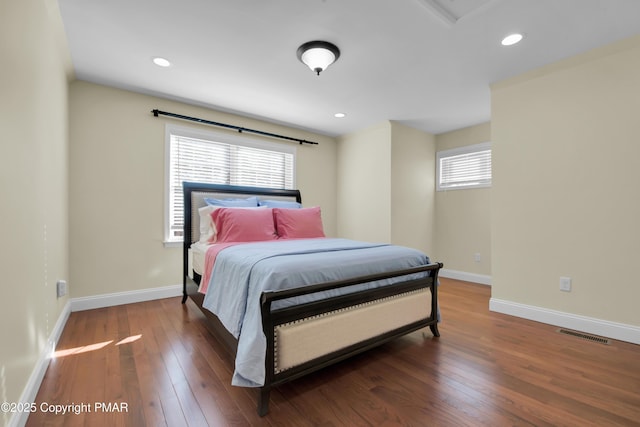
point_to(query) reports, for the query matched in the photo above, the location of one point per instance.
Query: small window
(213, 158)
(464, 167)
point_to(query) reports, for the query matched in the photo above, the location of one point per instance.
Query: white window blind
(234, 161)
(465, 167)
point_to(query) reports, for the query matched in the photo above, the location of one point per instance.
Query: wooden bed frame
(347, 308)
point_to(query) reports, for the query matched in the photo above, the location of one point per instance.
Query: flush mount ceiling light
(318, 55)
(511, 39)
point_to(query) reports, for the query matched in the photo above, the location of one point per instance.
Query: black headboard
(194, 193)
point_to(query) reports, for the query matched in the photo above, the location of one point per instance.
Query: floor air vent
(588, 337)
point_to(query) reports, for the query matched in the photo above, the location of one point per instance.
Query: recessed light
(511, 39)
(339, 115)
(161, 62)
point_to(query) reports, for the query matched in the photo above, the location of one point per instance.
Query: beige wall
(565, 198)
(463, 217)
(117, 168)
(364, 190)
(412, 188)
(33, 185)
(385, 191)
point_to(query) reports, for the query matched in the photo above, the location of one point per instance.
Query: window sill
(172, 244)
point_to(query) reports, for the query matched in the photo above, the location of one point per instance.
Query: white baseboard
(605, 328)
(467, 277)
(33, 384)
(127, 297)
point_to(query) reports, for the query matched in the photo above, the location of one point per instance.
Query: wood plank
(215, 404)
(150, 400)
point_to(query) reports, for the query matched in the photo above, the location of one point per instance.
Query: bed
(300, 302)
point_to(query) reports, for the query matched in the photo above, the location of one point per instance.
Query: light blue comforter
(241, 273)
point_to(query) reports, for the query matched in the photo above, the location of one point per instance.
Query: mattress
(198, 251)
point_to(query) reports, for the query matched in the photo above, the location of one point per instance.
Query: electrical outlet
(61, 288)
(565, 284)
(476, 257)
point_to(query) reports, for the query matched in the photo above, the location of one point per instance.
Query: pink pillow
(243, 225)
(298, 223)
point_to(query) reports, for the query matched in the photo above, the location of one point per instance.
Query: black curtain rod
(238, 128)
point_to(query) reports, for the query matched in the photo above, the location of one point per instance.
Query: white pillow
(207, 227)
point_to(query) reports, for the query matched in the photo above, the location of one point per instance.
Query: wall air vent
(588, 337)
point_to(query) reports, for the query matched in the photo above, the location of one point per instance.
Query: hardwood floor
(486, 369)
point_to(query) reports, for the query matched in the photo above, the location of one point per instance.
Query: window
(464, 167)
(209, 157)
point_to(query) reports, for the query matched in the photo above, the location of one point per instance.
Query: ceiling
(425, 63)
